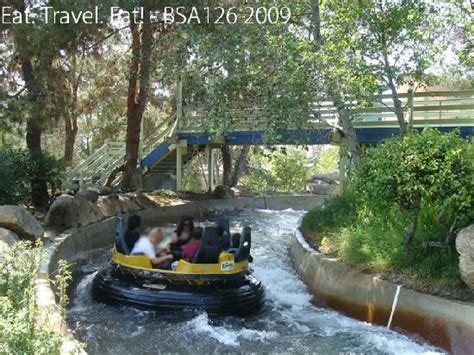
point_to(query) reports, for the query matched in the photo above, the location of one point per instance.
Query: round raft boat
(216, 282)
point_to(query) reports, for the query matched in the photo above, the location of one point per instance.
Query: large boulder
(223, 192)
(89, 194)
(109, 205)
(62, 213)
(20, 221)
(465, 248)
(329, 178)
(128, 204)
(323, 188)
(7, 238)
(72, 211)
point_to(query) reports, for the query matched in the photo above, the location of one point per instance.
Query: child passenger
(148, 246)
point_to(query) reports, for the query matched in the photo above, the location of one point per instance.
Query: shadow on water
(289, 322)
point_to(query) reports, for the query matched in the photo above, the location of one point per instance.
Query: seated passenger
(190, 249)
(182, 234)
(147, 246)
(133, 231)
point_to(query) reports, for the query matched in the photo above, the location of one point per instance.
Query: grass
(370, 238)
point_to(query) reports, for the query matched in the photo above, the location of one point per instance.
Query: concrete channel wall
(441, 322)
(75, 244)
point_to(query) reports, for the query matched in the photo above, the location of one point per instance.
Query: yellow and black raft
(216, 282)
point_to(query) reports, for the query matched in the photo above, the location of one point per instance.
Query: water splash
(290, 322)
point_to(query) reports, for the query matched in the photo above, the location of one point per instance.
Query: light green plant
(328, 160)
(23, 330)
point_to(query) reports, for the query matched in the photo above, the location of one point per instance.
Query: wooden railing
(97, 167)
(422, 108)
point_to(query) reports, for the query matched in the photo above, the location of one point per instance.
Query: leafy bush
(289, 167)
(23, 332)
(18, 167)
(328, 160)
(283, 170)
(428, 168)
(334, 213)
(192, 174)
(428, 175)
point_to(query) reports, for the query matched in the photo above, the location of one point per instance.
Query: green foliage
(290, 169)
(24, 329)
(193, 174)
(366, 225)
(428, 167)
(282, 170)
(337, 212)
(18, 167)
(328, 160)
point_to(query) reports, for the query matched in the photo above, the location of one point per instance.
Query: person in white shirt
(148, 245)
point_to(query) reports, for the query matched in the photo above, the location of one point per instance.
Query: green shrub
(328, 160)
(290, 169)
(282, 170)
(23, 332)
(337, 212)
(192, 174)
(17, 167)
(427, 168)
(430, 173)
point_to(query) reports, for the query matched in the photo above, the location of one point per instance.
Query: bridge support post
(181, 148)
(179, 168)
(211, 162)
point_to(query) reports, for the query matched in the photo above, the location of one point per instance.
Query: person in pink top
(192, 247)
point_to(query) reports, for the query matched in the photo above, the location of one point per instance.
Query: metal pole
(179, 168)
(210, 168)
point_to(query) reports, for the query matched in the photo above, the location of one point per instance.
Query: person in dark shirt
(184, 231)
(133, 231)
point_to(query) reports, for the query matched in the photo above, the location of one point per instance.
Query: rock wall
(86, 208)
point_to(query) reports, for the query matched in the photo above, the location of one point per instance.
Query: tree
(399, 42)
(231, 175)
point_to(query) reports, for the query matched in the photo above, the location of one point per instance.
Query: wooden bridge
(180, 138)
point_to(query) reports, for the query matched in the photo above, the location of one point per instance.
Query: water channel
(290, 323)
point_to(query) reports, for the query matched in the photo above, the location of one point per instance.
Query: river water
(289, 323)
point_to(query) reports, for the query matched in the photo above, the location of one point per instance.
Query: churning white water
(289, 323)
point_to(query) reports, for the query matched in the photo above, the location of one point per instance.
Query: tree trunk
(137, 96)
(342, 110)
(348, 130)
(240, 164)
(316, 26)
(226, 165)
(410, 233)
(39, 187)
(70, 119)
(71, 133)
(397, 104)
